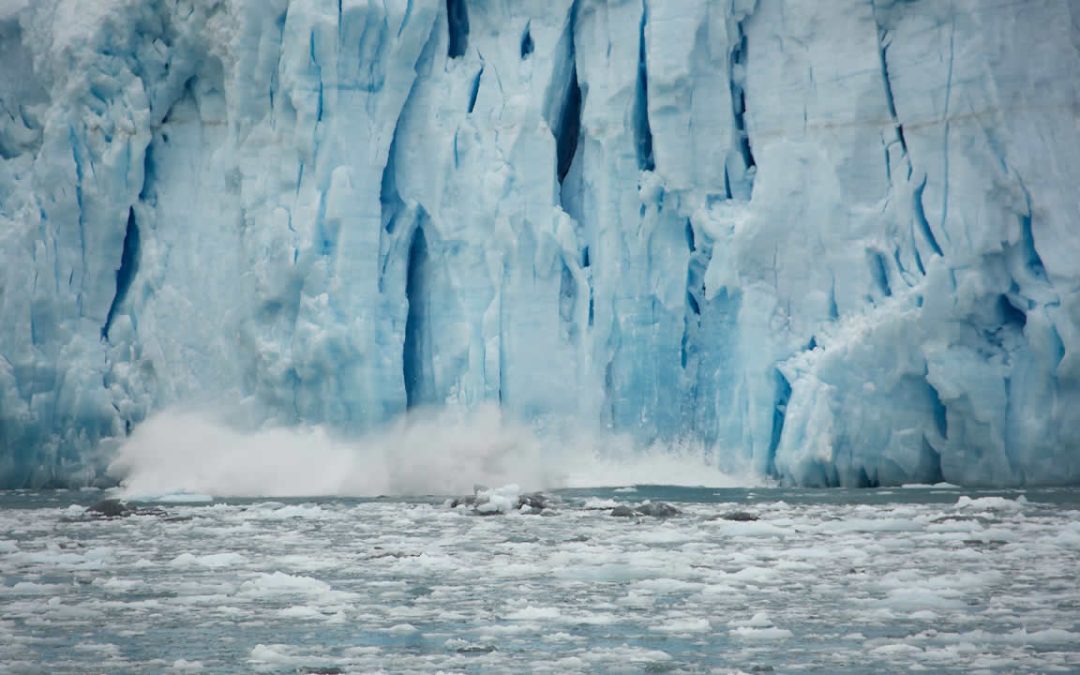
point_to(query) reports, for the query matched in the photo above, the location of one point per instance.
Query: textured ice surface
(835, 242)
(942, 580)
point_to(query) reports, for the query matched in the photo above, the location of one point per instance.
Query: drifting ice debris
(658, 510)
(110, 508)
(466, 647)
(653, 509)
(737, 516)
(502, 500)
(115, 508)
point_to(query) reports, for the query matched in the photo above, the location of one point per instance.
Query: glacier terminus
(836, 242)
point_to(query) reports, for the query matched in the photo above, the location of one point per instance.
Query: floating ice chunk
(531, 613)
(115, 585)
(272, 653)
(212, 561)
(759, 620)
(279, 583)
(896, 650)
(687, 625)
(991, 503)
(923, 598)
(465, 647)
(770, 633)
(30, 588)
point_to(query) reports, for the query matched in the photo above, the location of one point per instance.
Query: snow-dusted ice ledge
(834, 242)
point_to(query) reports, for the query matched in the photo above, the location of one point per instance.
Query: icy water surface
(878, 580)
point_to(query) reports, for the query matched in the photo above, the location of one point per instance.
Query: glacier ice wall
(834, 241)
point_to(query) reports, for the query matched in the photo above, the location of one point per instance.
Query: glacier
(834, 242)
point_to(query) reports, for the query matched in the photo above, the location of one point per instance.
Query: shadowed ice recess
(825, 243)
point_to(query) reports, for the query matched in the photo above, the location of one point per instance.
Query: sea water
(934, 578)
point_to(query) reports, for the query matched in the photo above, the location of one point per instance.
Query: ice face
(834, 242)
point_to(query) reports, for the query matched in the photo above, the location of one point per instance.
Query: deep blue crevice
(1011, 315)
(780, 403)
(569, 128)
(935, 474)
(900, 264)
(692, 303)
(890, 101)
(568, 298)
(389, 199)
(880, 272)
(129, 266)
(475, 90)
(312, 55)
(416, 362)
(643, 140)
(864, 480)
(1032, 259)
(527, 45)
(941, 420)
(920, 219)
(405, 18)
(457, 18)
(738, 97)
(146, 193)
(77, 158)
(695, 295)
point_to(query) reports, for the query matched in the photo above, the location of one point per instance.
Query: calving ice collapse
(833, 243)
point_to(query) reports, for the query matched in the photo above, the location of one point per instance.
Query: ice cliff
(834, 241)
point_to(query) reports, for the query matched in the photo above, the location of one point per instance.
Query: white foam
(499, 500)
(598, 503)
(194, 455)
(183, 498)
